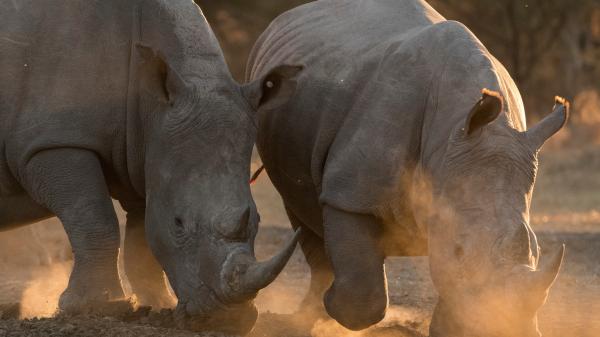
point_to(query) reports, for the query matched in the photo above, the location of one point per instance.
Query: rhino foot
(355, 312)
(143, 271)
(157, 301)
(103, 301)
(74, 305)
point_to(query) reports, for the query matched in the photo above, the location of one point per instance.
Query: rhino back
(352, 102)
(64, 69)
(337, 29)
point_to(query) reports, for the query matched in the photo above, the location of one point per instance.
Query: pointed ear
(274, 88)
(550, 125)
(156, 77)
(485, 111)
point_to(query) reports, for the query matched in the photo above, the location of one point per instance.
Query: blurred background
(550, 47)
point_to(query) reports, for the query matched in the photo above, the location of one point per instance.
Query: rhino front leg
(358, 297)
(70, 183)
(321, 274)
(145, 274)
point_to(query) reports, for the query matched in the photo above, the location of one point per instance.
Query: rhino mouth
(234, 319)
(229, 308)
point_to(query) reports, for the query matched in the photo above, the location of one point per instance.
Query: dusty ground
(566, 209)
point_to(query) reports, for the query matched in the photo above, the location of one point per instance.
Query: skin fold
(406, 137)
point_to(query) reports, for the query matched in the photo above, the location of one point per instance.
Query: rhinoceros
(133, 100)
(405, 136)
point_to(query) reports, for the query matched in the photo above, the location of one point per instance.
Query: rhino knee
(356, 306)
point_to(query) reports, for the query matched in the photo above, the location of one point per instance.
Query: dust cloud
(40, 297)
(395, 318)
(280, 301)
(330, 328)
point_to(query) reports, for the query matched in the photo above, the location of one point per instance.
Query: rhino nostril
(236, 228)
(178, 222)
(240, 231)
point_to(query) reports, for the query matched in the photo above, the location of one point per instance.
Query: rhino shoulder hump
(179, 30)
(451, 28)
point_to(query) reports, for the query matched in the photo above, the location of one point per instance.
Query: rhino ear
(156, 77)
(485, 111)
(274, 88)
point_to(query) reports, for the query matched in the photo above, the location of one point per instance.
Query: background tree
(545, 44)
(549, 47)
(238, 23)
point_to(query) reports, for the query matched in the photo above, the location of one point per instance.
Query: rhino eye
(271, 82)
(179, 232)
(270, 89)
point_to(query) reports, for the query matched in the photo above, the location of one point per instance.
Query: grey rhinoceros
(133, 100)
(389, 104)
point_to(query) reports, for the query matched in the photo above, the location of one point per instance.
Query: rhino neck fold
(465, 69)
(461, 72)
(135, 124)
(169, 28)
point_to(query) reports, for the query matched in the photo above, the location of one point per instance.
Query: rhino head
(484, 257)
(201, 220)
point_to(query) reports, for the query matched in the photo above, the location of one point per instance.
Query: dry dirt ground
(34, 266)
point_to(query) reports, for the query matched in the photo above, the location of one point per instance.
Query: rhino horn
(548, 270)
(555, 121)
(242, 276)
(261, 274)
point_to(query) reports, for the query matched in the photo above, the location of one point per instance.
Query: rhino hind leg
(70, 183)
(145, 274)
(358, 297)
(321, 275)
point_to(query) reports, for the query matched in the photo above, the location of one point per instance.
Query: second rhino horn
(547, 270)
(548, 126)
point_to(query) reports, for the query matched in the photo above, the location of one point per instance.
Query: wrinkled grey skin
(133, 100)
(391, 102)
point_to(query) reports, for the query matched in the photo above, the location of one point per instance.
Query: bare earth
(566, 210)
